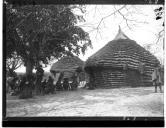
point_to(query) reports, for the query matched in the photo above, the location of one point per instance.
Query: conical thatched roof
(67, 63)
(119, 52)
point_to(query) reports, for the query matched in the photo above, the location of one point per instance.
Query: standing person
(66, 84)
(22, 83)
(50, 85)
(91, 82)
(19, 83)
(26, 89)
(59, 85)
(39, 76)
(13, 83)
(74, 84)
(44, 83)
(156, 77)
(29, 84)
(87, 80)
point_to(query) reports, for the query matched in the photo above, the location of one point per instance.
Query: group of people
(26, 86)
(29, 85)
(17, 85)
(67, 85)
(47, 86)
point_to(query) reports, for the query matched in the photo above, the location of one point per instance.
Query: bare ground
(140, 101)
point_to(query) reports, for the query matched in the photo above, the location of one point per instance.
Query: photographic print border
(72, 121)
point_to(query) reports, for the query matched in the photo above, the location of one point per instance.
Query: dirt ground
(140, 101)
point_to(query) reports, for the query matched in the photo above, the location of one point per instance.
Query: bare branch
(110, 15)
(127, 19)
(14, 62)
(19, 65)
(95, 11)
(160, 35)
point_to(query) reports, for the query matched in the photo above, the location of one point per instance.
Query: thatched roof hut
(121, 62)
(67, 65)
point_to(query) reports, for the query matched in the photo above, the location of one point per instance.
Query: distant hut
(68, 66)
(121, 62)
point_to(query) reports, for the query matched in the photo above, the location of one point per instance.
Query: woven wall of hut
(108, 78)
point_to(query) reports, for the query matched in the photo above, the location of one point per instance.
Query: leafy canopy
(39, 32)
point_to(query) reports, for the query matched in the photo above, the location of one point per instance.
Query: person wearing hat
(156, 77)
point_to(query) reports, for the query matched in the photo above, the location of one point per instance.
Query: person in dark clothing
(30, 85)
(13, 83)
(39, 71)
(19, 82)
(17, 86)
(22, 83)
(50, 85)
(66, 83)
(74, 83)
(44, 83)
(59, 85)
(12, 73)
(26, 87)
(39, 76)
(90, 84)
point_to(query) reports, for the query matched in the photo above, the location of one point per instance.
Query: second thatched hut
(68, 66)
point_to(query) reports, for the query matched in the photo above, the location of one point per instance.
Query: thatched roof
(67, 63)
(119, 52)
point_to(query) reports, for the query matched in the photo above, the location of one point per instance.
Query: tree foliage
(159, 13)
(39, 32)
(160, 16)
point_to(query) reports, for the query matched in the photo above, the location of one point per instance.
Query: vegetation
(37, 33)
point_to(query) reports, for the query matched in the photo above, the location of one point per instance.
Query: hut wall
(82, 76)
(108, 78)
(134, 78)
(147, 77)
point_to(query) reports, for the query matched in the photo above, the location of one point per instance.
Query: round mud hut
(121, 62)
(66, 67)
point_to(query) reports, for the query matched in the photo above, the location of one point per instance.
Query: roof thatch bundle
(120, 55)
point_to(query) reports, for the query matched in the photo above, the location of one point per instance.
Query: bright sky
(143, 27)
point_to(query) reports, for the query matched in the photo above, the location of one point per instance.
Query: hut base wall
(108, 78)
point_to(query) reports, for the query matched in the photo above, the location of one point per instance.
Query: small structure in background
(69, 70)
(121, 62)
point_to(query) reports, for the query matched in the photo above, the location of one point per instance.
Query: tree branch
(110, 15)
(127, 19)
(160, 35)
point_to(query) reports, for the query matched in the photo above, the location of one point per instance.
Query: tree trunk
(29, 67)
(38, 85)
(27, 89)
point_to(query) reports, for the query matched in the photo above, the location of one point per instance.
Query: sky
(141, 21)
